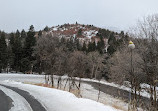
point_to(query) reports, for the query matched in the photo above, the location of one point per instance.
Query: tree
(100, 45)
(113, 44)
(120, 71)
(17, 50)
(23, 37)
(51, 55)
(91, 47)
(149, 52)
(40, 33)
(96, 61)
(23, 34)
(78, 66)
(11, 55)
(3, 52)
(46, 29)
(29, 43)
(79, 33)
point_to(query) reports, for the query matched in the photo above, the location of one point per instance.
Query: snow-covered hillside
(85, 33)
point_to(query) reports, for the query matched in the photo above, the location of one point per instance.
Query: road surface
(113, 91)
(119, 93)
(6, 102)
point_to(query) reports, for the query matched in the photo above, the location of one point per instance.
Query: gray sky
(19, 14)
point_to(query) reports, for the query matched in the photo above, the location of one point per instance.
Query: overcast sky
(19, 14)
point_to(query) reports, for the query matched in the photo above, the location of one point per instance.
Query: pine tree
(70, 45)
(12, 39)
(17, 51)
(91, 47)
(79, 33)
(23, 34)
(46, 29)
(11, 55)
(29, 43)
(23, 37)
(113, 44)
(100, 45)
(84, 48)
(3, 52)
(40, 33)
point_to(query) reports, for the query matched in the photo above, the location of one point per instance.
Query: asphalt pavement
(5, 101)
(119, 93)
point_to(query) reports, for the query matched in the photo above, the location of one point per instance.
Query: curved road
(116, 92)
(6, 102)
(113, 91)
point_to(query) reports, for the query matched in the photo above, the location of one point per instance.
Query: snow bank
(27, 78)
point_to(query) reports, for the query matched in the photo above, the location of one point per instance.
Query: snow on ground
(57, 100)
(90, 33)
(87, 91)
(143, 92)
(26, 78)
(19, 103)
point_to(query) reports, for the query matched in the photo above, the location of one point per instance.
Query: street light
(131, 46)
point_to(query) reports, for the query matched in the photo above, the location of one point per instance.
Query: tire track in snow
(19, 103)
(35, 105)
(5, 101)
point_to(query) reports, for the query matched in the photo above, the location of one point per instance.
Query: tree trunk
(99, 91)
(155, 96)
(92, 72)
(52, 80)
(66, 83)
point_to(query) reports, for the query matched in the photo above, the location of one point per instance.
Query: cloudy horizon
(121, 14)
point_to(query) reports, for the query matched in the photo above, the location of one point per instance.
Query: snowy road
(5, 101)
(27, 97)
(23, 101)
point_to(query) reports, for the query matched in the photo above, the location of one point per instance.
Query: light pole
(131, 46)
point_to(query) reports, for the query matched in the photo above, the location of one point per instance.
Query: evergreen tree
(100, 45)
(23, 34)
(11, 55)
(84, 48)
(113, 44)
(3, 52)
(40, 33)
(79, 33)
(17, 34)
(46, 29)
(12, 39)
(91, 47)
(23, 37)
(29, 43)
(25, 65)
(70, 45)
(17, 51)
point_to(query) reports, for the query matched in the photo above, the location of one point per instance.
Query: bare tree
(148, 29)
(49, 53)
(96, 61)
(120, 70)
